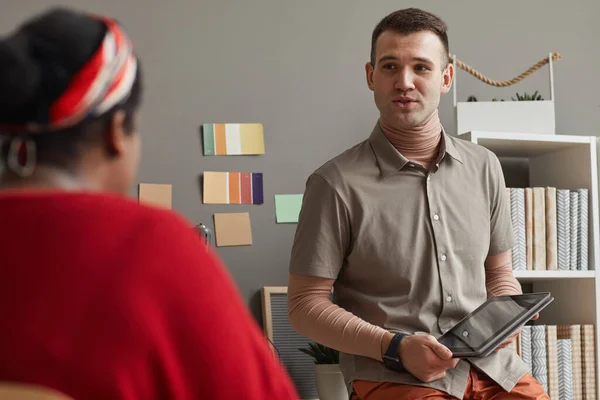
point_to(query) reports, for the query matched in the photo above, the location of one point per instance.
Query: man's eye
(389, 66)
(421, 68)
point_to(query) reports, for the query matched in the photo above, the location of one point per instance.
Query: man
(412, 230)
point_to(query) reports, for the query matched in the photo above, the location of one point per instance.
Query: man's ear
(369, 73)
(447, 78)
(116, 136)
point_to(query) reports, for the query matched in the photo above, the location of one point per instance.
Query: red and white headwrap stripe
(104, 81)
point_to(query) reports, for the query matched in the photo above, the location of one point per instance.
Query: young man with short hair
(412, 230)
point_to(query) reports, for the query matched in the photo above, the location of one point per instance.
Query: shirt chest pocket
(466, 226)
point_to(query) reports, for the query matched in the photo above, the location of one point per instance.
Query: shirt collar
(448, 147)
(391, 160)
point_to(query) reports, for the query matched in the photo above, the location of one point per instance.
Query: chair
(23, 391)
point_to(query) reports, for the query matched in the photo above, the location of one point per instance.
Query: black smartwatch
(391, 357)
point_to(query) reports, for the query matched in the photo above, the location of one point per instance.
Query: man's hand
(512, 337)
(426, 358)
(508, 340)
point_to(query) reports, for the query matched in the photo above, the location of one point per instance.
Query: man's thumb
(442, 351)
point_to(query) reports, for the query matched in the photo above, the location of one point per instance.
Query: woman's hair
(38, 63)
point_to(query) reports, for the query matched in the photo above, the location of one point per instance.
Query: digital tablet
(484, 329)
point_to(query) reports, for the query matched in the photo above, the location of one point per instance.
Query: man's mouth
(405, 103)
(404, 100)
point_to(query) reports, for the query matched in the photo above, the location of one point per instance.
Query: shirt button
(443, 257)
(449, 299)
(465, 333)
(428, 177)
(436, 217)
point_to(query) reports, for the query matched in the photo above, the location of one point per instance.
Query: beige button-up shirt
(407, 246)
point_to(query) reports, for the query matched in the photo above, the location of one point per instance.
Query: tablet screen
(488, 321)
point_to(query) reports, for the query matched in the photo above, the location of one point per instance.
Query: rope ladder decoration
(469, 69)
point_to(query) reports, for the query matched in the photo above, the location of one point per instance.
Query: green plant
(528, 97)
(322, 354)
(520, 97)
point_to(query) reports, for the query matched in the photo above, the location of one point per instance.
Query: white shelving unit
(533, 276)
(564, 162)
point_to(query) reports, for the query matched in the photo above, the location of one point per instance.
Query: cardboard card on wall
(233, 229)
(233, 139)
(156, 194)
(287, 207)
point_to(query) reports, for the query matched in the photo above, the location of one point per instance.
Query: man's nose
(405, 80)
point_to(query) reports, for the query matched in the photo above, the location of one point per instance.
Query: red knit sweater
(103, 298)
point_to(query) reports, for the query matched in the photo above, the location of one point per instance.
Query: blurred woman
(101, 297)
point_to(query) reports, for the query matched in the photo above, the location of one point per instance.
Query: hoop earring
(26, 169)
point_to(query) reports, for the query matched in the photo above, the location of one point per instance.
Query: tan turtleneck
(420, 144)
(310, 309)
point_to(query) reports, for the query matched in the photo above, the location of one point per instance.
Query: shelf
(536, 276)
(508, 144)
(562, 162)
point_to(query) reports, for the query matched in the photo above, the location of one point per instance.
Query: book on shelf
(562, 358)
(539, 363)
(550, 227)
(565, 369)
(552, 361)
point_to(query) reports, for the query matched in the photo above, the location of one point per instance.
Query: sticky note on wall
(287, 207)
(233, 188)
(233, 229)
(156, 194)
(233, 139)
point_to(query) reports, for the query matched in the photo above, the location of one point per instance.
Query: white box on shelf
(506, 116)
(533, 116)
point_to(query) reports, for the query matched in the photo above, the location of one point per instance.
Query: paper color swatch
(233, 229)
(156, 194)
(233, 188)
(287, 207)
(233, 139)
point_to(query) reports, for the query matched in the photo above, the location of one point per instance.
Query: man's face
(409, 75)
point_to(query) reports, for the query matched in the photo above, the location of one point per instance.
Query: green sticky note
(209, 139)
(287, 207)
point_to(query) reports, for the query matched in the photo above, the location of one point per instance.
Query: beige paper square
(156, 195)
(215, 188)
(233, 229)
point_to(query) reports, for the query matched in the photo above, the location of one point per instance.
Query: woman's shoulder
(145, 216)
(98, 209)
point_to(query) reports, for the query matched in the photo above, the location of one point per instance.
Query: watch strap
(391, 357)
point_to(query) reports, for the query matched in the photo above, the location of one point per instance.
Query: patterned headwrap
(104, 81)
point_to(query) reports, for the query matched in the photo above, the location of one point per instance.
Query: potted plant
(328, 376)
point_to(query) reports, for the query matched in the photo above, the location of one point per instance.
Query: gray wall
(298, 67)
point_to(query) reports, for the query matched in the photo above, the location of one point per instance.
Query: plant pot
(506, 116)
(330, 382)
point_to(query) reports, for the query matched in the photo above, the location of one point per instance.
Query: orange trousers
(479, 387)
